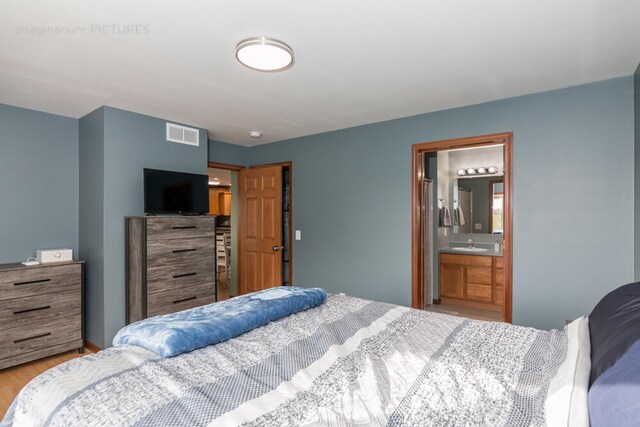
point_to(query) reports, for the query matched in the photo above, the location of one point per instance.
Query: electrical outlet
(298, 235)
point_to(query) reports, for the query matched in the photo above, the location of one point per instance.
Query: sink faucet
(470, 243)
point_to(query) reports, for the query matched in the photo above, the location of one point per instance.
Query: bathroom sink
(465, 249)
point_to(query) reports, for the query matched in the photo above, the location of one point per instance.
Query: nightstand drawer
(162, 228)
(178, 276)
(26, 282)
(180, 299)
(16, 341)
(161, 253)
(39, 309)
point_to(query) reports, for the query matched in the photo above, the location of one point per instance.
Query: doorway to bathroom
(462, 227)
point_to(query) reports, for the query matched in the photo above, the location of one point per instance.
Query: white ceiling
(357, 62)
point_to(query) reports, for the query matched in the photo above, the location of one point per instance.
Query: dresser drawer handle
(31, 338)
(184, 275)
(184, 299)
(177, 251)
(32, 309)
(31, 282)
(184, 227)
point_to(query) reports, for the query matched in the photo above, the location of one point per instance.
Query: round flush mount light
(255, 134)
(264, 54)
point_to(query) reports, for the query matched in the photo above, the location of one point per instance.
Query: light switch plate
(298, 235)
(478, 226)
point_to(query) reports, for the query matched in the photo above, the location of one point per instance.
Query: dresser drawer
(180, 299)
(180, 227)
(163, 253)
(25, 282)
(39, 309)
(17, 341)
(177, 276)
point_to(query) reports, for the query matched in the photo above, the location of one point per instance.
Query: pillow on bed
(613, 399)
(613, 327)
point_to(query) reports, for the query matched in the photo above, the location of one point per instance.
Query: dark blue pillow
(614, 326)
(614, 399)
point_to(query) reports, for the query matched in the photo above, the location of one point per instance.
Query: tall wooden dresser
(170, 264)
(41, 311)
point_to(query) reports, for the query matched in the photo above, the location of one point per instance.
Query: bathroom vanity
(472, 280)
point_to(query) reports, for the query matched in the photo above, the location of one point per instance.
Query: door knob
(276, 248)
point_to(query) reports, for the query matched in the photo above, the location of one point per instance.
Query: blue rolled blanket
(173, 334)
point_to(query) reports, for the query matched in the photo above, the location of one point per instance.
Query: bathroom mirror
(478, 205)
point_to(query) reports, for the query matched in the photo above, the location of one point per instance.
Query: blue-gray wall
(231, 154)
(92, 220)
(39, 183)
(572, 242)
(636, 86)
(351, 195)
(131, 142)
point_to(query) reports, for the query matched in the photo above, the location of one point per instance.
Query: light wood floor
(469, 312)
(13, 379)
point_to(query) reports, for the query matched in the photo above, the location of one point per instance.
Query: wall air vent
(183, 134)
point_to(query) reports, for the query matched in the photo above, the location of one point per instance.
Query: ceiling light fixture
(215, 181)
(255, 134)
(264, 54)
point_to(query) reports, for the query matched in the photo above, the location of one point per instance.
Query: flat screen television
(168, 192)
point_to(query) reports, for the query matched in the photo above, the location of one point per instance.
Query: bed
(348, 361)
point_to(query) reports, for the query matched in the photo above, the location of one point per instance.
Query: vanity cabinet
(474, 278)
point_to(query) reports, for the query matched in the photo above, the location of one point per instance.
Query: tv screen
(175, 192)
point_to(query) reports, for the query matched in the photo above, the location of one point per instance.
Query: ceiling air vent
(183, 134)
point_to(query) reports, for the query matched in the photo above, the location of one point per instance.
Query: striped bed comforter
(347, 362)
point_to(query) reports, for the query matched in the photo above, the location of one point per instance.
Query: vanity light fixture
(264, 54)
(478, 171)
